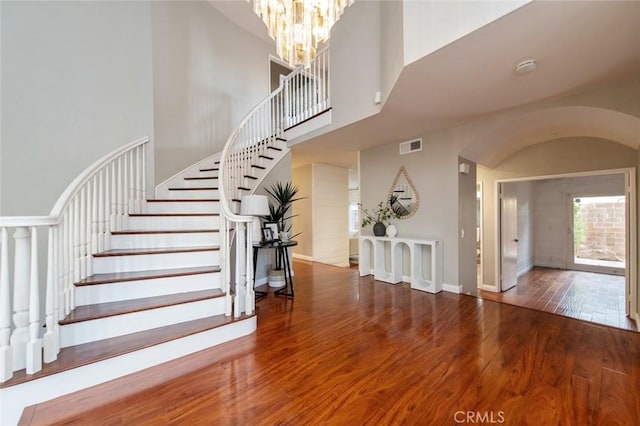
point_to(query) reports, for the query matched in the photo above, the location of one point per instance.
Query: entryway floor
(598, 298)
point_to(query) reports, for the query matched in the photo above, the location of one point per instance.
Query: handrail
(80, 223)
(88, 173)
(302, 94)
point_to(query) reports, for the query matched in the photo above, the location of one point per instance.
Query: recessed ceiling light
(526, 66)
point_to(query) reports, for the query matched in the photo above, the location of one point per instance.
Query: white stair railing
(303, 94)
(94, 204)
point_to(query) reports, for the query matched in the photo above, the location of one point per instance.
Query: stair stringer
(16, 398)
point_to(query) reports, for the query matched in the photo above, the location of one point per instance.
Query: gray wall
(467, 275)
(207, 75)
(76, 84)
(434, 172)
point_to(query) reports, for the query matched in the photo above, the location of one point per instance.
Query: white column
(6, 366)
(20, 335)
(34, 346)
(240, 298)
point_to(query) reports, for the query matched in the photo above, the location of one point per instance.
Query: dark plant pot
(379, 229)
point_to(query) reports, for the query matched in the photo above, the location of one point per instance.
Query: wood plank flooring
(350, 350)
(597, 298)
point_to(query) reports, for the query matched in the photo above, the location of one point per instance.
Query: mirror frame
(403, 172)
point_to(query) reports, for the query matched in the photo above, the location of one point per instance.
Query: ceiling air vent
(410, 146)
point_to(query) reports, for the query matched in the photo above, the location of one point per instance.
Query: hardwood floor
(597, 298)
(350, 350)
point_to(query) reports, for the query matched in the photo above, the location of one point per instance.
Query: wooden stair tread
(172, 214)
(184, 200)
(145, 275)
(134, 252)
(250, 177)
(258, 167)
(274, 148)
(110, 309)
(164, 231)
(87, 353)
(194, 189)
(266, 157)
(211, 169)
(244, 188)
(201, 178)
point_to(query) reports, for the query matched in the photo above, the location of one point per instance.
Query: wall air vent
(410, 146)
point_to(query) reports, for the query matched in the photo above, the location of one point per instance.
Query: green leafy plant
(382, 213)
(283, 196)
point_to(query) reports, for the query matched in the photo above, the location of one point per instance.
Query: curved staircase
(132, 283)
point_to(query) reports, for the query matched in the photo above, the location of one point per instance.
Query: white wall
(430, 25)
(76, 84)
(391, 54)
(207, 75)
(552, 214)
(547, 158)
(280, 173)
(525, 199)
(330, 215)
(303, 211)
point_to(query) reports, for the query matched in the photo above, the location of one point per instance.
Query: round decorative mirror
(403, 196)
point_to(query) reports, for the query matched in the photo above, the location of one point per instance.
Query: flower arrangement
(383, 213)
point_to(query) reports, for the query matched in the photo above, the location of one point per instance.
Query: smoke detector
(526, 66)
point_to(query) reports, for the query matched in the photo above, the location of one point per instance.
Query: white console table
(417, 279)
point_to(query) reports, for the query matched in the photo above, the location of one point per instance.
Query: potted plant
(283, 196)
(381, 215)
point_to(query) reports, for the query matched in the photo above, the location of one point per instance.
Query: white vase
(392, 231)
(276, 278)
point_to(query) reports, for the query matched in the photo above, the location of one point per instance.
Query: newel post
(6, 366)
(240, 276)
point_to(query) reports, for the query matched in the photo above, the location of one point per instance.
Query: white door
(508, 236)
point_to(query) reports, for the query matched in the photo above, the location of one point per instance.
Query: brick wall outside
(603, 225)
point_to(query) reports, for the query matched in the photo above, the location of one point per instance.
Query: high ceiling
(579, 46)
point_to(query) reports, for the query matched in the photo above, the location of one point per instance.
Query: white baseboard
(487, 287)
(526, 269)
(302, 257)
(451, 288)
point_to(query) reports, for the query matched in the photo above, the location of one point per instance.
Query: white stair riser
(16, 398)
(210, 173)
(200, 183)
(163, 223)
(127, 290)
(186, 207)
(194, 194)
(152, 262)
(139, 241)
(105, 328)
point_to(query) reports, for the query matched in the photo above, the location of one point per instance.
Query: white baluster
(108, 190)
(101, 211)
(124, 191)
(132, 183)
(114, 198)
(20, 335)
(76, 240)
(49, 343)
(34, 346)
(6, 363)
(67, 259)
(82, 228)
(87, 223)
(95, 218)
(143, 175)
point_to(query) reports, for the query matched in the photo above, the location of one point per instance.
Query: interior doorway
(574, 222)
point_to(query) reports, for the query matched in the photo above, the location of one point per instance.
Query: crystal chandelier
(298, 26)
